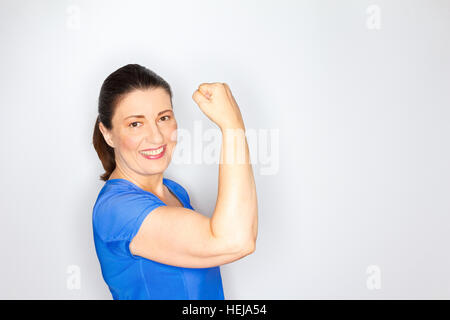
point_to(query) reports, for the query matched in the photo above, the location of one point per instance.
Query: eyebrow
(142, 116)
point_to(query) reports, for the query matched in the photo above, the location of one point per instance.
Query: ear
(106, 134)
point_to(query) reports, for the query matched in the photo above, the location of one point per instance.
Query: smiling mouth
(153, 152)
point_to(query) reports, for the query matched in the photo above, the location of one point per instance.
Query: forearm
(235, 216)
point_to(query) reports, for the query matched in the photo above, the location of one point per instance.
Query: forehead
(143, 101)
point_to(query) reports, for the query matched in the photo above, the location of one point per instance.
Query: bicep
(182, 237)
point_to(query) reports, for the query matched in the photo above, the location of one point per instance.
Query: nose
(154, 135)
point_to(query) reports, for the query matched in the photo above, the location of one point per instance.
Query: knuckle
(203, 86)
(226, 87)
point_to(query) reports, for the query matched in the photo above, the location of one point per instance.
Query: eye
(166, 117)
(131, 124)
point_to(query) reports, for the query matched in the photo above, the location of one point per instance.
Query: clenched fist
(218, 104)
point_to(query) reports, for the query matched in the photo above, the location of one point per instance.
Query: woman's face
(143, 119)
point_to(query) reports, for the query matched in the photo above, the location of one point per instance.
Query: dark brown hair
(115, 87)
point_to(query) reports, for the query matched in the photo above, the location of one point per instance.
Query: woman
(150, 241)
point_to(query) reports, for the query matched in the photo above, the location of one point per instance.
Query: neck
(151, 183)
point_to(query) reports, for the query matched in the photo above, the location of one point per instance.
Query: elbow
(252, 247)
(248, 247)
(243, 247)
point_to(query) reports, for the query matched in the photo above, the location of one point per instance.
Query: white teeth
(153, 152)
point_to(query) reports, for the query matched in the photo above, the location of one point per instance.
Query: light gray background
(363, 117)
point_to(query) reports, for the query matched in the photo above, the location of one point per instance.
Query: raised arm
(187, 238)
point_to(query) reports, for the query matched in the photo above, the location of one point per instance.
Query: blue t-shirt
(118, 213)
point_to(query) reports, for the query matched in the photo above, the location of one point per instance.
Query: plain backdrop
(357, 205)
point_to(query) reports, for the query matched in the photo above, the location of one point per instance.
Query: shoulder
(119, 208)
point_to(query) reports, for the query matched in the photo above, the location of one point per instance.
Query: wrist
(232, 126)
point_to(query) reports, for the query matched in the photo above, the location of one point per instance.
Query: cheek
(171, 134)
(130, 143)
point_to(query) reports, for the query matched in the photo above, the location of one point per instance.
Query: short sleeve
(119, 216)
